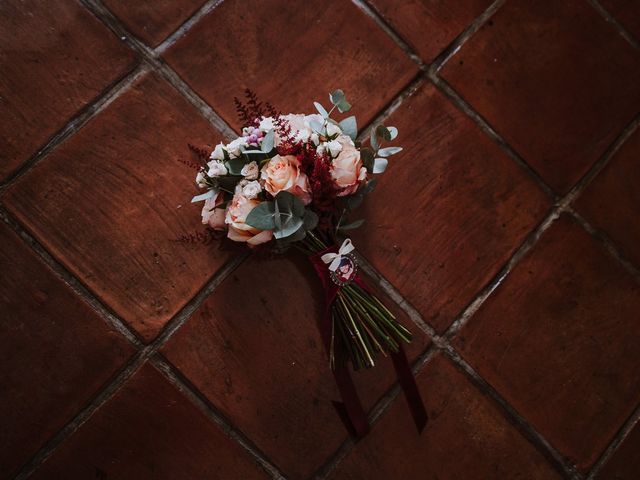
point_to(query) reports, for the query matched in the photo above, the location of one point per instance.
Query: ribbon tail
(408, 383)
(350, 409)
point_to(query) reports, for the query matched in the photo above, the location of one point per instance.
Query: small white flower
(216, 169)
(201, 179)
(334, 147)
(321, 148)
(218, 152)
(250, 171)
(333, 129)
(266, 124)
(315, 139)
(234, 147)
(252, 189)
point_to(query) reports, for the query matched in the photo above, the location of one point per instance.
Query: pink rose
(348, 171)
(239, 231)
(282, 174)
(214, 217)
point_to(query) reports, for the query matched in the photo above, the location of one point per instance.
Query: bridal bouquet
(294, 181)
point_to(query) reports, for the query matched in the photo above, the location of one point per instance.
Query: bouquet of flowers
(294, 181)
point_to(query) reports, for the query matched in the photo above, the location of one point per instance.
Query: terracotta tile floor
(507, 237)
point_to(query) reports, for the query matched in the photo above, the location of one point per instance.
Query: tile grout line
(78, 120)
(187, 25)
(152, 56)
(374, 15)
(622, 31)
(205, 406)
(619, 438)
(131, 367)
(375, 414)
(442, 343)
(455, 98)
(82, 291)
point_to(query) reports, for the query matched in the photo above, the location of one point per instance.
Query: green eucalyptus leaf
(393, 131)
(380, 165)
(352, 225)
(349, 127)
(310, 220)
(344, 106)
(388, 151)
(204, 196)
(268, 141)
(321, 109)
(367, 156)
(354, 201)
(336, 97)
(289, 226)
(300, 234)
(234, 166)
(383, 132)
(316, 125)
(262, 216)
(373, 140)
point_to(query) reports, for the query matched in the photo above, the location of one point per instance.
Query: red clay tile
(291, 56)
(428, 26)
(466, 438)
(625, 463)
(108, 203)
(554, 79)
(559, 340)
(450, 210)
(55, 353)
(627, 12)
(56, 57)
(612, 201)
(151, 20)
(149, 430)
(253, 349)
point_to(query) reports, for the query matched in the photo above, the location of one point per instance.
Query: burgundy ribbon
(350, 409)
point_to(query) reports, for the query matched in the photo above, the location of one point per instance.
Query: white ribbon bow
(334, 258)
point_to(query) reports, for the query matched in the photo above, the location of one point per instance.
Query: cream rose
(282, 174)
(239, 231)
(212, 216)
(347, 171)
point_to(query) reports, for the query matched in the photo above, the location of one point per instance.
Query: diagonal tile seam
(375, 414)
(429, 72)
(632, 421)
(183, 384)
(101, 309)
(441, 342)
(108, 95)
(624, 33)
(152, 57)
(144, 352)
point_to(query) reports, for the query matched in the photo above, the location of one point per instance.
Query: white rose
(234, 147)
(266, 124)
(252, 189)
(201, 179)
(218, 152)
(333, 129)
(216, 169)
(334, 147)
(250, 171)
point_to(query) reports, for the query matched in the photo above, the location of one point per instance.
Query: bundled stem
(362, 326)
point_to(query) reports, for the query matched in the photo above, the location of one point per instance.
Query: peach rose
(212, 216)
(236, 216)
(282, 174)
(347, 171)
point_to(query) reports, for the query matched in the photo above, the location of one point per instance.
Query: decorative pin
(342, 265)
